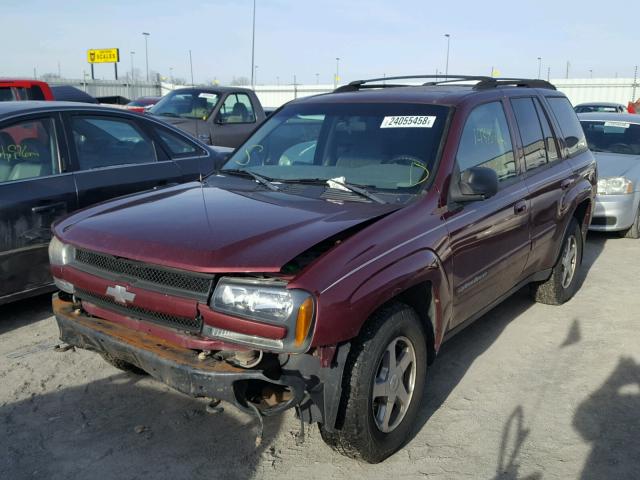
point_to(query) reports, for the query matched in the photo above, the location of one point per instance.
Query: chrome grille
(193, 324)
(198, 285)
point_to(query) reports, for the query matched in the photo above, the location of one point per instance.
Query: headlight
(614, 186)
(60, 254)
(268, 301)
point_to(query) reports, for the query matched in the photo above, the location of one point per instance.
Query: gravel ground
(527, 392)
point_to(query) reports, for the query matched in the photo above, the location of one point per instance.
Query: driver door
(491, 246)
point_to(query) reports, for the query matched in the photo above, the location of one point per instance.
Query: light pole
(446, 68)
(253, 45)
(191, 67)
(590, 73)
(132, 78)
(171, 75)
(146, 52)
(255, 76)
(337, 79)
(539, 66)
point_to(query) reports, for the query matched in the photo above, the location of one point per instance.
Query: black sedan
(57, 157)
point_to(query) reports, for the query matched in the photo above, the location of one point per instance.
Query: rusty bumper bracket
(177, 367)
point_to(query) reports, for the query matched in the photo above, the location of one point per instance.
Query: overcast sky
(304, 37)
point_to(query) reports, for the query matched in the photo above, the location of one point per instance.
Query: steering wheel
(621, 148)
(408, 160)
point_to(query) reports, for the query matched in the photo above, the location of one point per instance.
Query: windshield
(598, 108)
(613, 136)
(192, 104)
(387, 147)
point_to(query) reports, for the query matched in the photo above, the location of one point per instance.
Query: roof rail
(483, 82)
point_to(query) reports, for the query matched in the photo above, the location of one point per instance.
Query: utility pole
(548, 73)
(446, 68)
(191, 66)
(337, 78)
(132, 77)
(295, 87)
(253, 45)
(567, 72)
(635, 83)
(146, 52)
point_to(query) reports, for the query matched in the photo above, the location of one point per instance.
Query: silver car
(614, 138)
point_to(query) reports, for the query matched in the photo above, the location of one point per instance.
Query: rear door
(491, 245)
(35, 190)
(114, 155)
(235, 120)
(547, 178)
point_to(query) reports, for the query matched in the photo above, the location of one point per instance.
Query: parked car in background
(223, 116)
(57, 157)
(615, 141)
(16, 90)
(323, 266)
(139, 105)
(600, 107)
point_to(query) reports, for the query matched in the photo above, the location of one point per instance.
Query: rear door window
(535, 154)
(569, 125)
(486, 142)
(106, 141)
(28, 149)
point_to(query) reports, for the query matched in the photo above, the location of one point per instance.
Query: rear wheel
(122, 365)
(634, 230)
(383, 384)
(563, 282)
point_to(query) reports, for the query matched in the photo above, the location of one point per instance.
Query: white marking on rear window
(617, 124)
(408, 121)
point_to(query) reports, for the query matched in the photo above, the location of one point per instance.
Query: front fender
(380, 286)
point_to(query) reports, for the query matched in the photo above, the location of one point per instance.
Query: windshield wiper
(352, 187)
(258, 178)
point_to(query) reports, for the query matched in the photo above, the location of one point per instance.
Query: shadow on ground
(609, 419)
(124, 427)
(18, 314)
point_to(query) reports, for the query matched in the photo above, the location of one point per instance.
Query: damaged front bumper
(178, 367)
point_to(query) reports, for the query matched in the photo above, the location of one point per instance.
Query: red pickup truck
(15, 89)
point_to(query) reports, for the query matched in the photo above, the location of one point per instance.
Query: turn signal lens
(303, 322)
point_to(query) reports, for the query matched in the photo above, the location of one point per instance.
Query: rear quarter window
(570, 127)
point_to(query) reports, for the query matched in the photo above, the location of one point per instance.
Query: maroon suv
(325, 263)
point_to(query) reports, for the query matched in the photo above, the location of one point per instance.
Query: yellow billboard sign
(104, 55)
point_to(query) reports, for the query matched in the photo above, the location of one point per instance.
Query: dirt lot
(528, 392)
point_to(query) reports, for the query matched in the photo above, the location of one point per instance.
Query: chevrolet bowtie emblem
(120, 294)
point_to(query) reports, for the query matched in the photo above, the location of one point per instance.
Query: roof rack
(483, 82)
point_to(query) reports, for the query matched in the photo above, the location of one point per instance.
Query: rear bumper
(176, 366)
(615, 212)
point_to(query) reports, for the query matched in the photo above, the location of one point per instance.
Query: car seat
(34, 161)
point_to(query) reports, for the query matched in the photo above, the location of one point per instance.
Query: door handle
(520, 208)
(49, 206)
(566, 183)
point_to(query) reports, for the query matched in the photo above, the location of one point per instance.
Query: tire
(634, 230)
(122, 365)
(558, 289)
(359, 433)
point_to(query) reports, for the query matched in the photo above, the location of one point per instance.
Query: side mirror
(476, 183)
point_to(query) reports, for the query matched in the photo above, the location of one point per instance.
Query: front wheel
(563, 282)
(383, 384)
